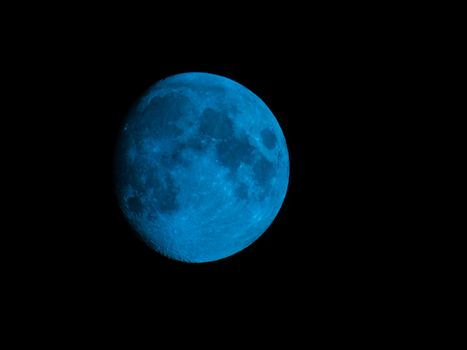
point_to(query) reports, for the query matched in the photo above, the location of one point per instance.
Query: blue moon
(201, 167)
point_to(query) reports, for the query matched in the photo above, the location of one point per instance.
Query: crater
(268, 138)
(150, 184)
(241, 190)
(263, 171)
(215, 124)
(160, 116)
(167, 199)
(234, 151)
(165, 191)
(174, 157)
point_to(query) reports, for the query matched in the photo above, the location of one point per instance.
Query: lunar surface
(202, 167)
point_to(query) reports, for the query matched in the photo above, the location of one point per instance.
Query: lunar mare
(201, 167)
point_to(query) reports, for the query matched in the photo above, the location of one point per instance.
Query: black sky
(334, 243)
(328, 229)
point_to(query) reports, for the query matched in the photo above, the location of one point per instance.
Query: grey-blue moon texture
(201, 167)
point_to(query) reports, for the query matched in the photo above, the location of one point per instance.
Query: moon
(201, 167)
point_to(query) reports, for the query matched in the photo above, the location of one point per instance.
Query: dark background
(336, 248)
(329, 233)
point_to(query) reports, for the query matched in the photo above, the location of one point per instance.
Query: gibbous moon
(201, 167)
